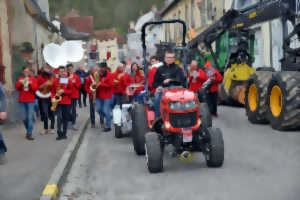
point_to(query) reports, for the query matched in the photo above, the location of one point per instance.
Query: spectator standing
(3, 115)
(83, 94)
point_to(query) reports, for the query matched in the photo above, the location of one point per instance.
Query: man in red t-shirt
(27, 86)
(87, 86)
(104, 95)
(196, 77)
(63, 87)
(76, 85)
(212, 97)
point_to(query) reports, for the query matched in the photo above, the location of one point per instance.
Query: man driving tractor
(164, 75)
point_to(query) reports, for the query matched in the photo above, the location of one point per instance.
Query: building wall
(5, 45)
(25, 29)
(112, 46)
(188, 11)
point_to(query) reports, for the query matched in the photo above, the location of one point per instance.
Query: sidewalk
(30, 163)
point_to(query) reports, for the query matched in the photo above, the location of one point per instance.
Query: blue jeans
(28, 108)
(137, 98)
(2, 145)
(103, 108)
(157, 99)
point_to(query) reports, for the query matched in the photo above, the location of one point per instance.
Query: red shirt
(87, 84)
(76, 85)
(218, 79)
(139, 78)
(104, 91)
(27, 94)
(123, 81)
(151, 74)
(196, 84)
(66, 96)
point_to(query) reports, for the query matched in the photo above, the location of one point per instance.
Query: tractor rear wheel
(154, 154)
(256, 97)
(139, 128)
(284, 101)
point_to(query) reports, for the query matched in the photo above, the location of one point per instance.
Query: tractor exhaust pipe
(186, 156)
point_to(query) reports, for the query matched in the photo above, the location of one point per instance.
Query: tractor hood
(179, 94)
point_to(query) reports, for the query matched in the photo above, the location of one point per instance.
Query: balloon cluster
(60, 55)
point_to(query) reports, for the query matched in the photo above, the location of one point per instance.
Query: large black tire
(288, 117)
(118, 131)
(256, 104)
(214, 154)
(205, 115)
(154, 154)
(139, 128)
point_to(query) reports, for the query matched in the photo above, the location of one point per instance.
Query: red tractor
(185, 123)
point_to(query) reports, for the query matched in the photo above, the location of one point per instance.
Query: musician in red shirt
(87, 86)
(27, 86)
(137, 84)
(76, 85)
(45, 81)
(62, 87)
(104, 95)
(196, 77)
(212, 97)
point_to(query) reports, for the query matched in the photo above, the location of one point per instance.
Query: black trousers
(73, 110)
(118, 100)
(212, 101)
(46, 113)
(83, 96)
(63, 117)
(92, 112)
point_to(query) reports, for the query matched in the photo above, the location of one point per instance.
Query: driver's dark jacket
(164, 72)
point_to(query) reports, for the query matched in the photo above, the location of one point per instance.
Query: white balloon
(73, 50)
(54, 55)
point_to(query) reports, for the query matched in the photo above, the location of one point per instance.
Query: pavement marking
(51, 189)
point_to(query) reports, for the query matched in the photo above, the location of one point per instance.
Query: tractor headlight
(178, 106)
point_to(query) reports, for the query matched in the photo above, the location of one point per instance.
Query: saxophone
(57, 98)
(94, 85)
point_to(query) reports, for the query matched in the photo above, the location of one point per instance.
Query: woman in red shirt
(27, 86)
(137, 84)
(120, 82)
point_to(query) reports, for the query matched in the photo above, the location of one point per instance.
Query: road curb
(51, 190)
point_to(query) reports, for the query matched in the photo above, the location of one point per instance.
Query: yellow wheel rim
(252, 97)
(276, 101)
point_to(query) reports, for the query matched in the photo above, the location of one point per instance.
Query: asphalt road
(260, 164)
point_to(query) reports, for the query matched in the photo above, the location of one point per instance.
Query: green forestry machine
(269, 96)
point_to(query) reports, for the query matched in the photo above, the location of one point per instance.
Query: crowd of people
(57, 92)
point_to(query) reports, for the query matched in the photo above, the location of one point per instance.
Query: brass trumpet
(94, 86)
(57, 98)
